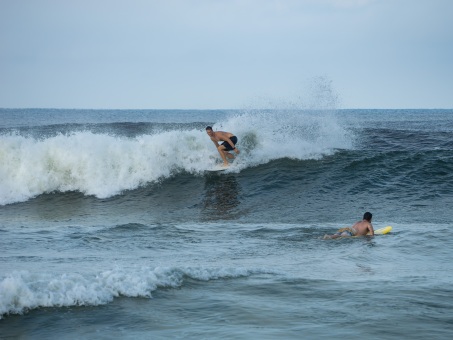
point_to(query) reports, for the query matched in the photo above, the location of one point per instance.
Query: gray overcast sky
(200, 54)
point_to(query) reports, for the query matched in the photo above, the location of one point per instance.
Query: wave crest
(22, 291)
(105, 165)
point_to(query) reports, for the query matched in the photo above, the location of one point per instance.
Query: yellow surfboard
(383, 231)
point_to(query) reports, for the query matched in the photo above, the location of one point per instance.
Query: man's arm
(370, 229)
(230, 142)
(215, 142)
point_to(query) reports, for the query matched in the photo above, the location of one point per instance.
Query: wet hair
(368, 216)
(208, 128)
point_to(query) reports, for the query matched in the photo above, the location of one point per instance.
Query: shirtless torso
(362, 228)
(221, 136)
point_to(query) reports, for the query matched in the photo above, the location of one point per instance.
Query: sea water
(110, 227)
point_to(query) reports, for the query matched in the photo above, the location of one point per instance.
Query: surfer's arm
(215, 143)
(231, 143)
(228, 140)
(370, 229)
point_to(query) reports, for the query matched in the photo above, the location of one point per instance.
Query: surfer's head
(209, 130)
(368, 216)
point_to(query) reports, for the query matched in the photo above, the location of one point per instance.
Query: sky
(225, 54)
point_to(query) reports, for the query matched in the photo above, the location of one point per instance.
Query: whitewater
(104, 164)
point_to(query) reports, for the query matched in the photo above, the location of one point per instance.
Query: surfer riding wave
(229, 143)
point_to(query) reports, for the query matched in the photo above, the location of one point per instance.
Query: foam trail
(22, 291)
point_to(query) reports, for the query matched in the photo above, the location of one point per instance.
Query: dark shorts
(227, 145)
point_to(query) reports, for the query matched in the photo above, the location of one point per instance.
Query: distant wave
(104, 165)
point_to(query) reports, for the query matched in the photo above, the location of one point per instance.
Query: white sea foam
(105, 165)
(276, 134)
(22, 290)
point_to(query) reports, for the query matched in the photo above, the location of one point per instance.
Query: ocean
(112, 227)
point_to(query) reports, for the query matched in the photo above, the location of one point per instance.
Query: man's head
(209, 130)
(368, 216)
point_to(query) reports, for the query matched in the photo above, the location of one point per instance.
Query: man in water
(229, 143)
(360, 228)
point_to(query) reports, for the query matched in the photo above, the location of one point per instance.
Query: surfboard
(217, 168)
(383, 231)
